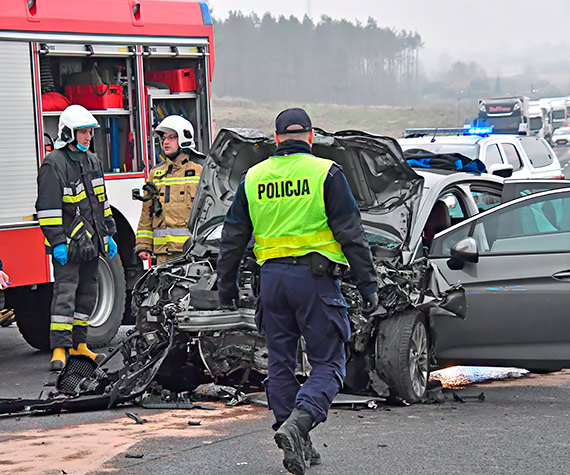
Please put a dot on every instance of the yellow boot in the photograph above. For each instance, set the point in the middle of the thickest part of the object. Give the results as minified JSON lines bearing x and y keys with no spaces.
{"x":57,"y":360}
{"x":83,"y":350}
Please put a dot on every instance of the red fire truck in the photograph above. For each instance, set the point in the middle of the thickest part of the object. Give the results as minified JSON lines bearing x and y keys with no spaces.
{"x":131,"y":62}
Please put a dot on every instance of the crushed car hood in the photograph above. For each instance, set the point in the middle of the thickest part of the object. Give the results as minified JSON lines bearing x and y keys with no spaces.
{"x":386,"y":188}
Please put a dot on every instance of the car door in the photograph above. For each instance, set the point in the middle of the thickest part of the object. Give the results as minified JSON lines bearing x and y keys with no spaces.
{"x":518,"y":293}
{"x":513,"y":156}
{"x":514,"y":188}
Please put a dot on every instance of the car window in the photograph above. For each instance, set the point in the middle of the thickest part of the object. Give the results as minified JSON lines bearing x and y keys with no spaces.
{"x":537,"y":152}
{"x":533,"y":226}
{"x":513,"y":156}
{"x":447,"y":211}
{"x":535,"y":123}
{"x":485,"y":199}
{"x":492,"y":155}
{"x":455,"y":206}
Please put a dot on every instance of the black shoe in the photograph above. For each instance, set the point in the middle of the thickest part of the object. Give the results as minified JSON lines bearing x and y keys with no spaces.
{"x":291,"y":439}
{"x":56,"y":365}
{"x":311,"y":454}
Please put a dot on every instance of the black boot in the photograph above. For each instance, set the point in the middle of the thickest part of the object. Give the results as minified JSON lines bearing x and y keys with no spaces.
{"x":311,"y":455}
{"x":291,"y":439}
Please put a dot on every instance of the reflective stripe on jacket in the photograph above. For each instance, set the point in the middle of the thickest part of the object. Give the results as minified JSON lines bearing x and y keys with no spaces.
{"x":177,"y":182}
{"x":72,"y":183}
{"x":285,"y":195}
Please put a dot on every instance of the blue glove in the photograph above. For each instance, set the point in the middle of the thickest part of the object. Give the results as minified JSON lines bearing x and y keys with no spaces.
{"x":60,"y":253}
{"x":112,"y":248}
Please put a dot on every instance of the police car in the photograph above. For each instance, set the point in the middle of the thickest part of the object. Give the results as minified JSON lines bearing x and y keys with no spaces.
{"x":404,"y":213}
{"x":526,"y":156}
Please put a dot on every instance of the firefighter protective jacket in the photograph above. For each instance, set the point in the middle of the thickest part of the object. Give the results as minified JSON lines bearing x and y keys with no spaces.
{"x":177,"y":183}
{"x":70,"y":184}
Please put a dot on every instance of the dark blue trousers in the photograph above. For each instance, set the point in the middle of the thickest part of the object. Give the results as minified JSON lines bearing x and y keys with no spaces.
{"x":293,"y":303}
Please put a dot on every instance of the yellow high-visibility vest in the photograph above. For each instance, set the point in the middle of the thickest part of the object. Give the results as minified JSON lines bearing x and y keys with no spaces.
{"x":287,"y":208}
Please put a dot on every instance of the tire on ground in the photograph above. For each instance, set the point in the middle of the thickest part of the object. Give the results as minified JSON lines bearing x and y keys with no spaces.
{"x":396,"y":355}
{"x":110,"y":307}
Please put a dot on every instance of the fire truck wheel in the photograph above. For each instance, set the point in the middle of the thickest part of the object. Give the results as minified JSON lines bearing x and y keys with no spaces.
{"x":32,"y":309}
{"x":110,"y":306}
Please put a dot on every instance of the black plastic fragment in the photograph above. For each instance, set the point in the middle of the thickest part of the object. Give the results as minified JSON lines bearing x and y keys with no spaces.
{"x":135,"y":417}
{"x":480,"y":397}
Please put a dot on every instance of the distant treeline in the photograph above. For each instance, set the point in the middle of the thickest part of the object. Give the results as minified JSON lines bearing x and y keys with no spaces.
{"x":333,"y":61}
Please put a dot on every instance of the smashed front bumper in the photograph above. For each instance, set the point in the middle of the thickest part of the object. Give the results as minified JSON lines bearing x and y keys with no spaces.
{"x":213,"y":320}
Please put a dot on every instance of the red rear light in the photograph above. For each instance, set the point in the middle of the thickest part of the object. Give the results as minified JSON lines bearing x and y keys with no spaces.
{"x":559,"y":177}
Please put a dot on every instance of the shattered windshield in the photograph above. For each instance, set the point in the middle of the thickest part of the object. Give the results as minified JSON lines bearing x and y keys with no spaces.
{"x":381,"y":240}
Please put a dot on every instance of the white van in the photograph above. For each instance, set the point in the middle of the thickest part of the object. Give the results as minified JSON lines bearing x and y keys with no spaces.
{"x":530,"y":156}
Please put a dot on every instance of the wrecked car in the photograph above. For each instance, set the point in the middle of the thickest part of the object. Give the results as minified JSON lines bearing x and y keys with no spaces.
{"x":390,"y":352}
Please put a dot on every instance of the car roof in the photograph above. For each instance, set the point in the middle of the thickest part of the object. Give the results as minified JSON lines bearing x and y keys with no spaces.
{"x":436,"y":177}
{"x":456,"y":139}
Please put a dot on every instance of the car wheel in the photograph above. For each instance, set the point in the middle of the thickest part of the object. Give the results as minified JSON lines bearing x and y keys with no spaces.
{"x":402,"y":355}
{"x":110,"y":306}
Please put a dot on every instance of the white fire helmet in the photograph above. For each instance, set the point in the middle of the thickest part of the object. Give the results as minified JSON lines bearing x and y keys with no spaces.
{"x":175,"y":124}
{"x":73,"y":118}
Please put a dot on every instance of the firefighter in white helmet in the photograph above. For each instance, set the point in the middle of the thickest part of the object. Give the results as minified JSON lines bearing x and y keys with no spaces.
{"x":162,"y":229}
{"x":78,"y":225}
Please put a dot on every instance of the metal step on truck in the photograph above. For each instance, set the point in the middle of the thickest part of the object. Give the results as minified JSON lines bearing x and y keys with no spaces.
{"x":131,"y":63}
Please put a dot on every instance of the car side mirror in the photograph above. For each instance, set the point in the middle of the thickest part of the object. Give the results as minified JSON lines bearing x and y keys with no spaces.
{"x":463,"y":251}
{"x":504,"y":170}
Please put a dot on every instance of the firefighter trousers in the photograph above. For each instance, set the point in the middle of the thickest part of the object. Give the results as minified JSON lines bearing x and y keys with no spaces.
{"x":294,"y":303}
{"x":74,"y":297}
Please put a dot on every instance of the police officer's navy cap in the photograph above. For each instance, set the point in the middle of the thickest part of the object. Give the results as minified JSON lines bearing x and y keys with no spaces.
{"x":289,"y":117}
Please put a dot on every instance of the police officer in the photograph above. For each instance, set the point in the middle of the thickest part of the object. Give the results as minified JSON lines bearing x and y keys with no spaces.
{"x":162,"y":229}
{"x":305,"y":220}
{"x":78,"y":225}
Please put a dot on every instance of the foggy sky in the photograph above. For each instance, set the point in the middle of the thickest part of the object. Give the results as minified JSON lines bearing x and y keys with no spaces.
{"x":482,"y":31}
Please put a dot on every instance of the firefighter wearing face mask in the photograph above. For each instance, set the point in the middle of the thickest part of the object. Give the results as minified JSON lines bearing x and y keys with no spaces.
{"x":162,"y":229}
{"x":78,"y":225}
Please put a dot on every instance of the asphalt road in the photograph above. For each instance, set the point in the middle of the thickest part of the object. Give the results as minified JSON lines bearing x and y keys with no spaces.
{"x":522,"y":427}
{"x":563,"y":154}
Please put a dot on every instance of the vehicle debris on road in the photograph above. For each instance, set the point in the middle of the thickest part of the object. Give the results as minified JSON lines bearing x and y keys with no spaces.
{"x":135,"y":417}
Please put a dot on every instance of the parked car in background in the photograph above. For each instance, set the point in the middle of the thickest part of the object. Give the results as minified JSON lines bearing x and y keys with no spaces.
{"x":529,"y":156}
{"x":561,"y":136}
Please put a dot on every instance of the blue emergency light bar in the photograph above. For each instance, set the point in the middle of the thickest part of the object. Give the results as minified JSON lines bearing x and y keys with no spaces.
{"x":467,"y":130}
{"x":480,"y":130}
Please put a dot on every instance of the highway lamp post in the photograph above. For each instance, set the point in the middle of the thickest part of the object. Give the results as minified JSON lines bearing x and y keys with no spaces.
{"x":459,"y":108}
